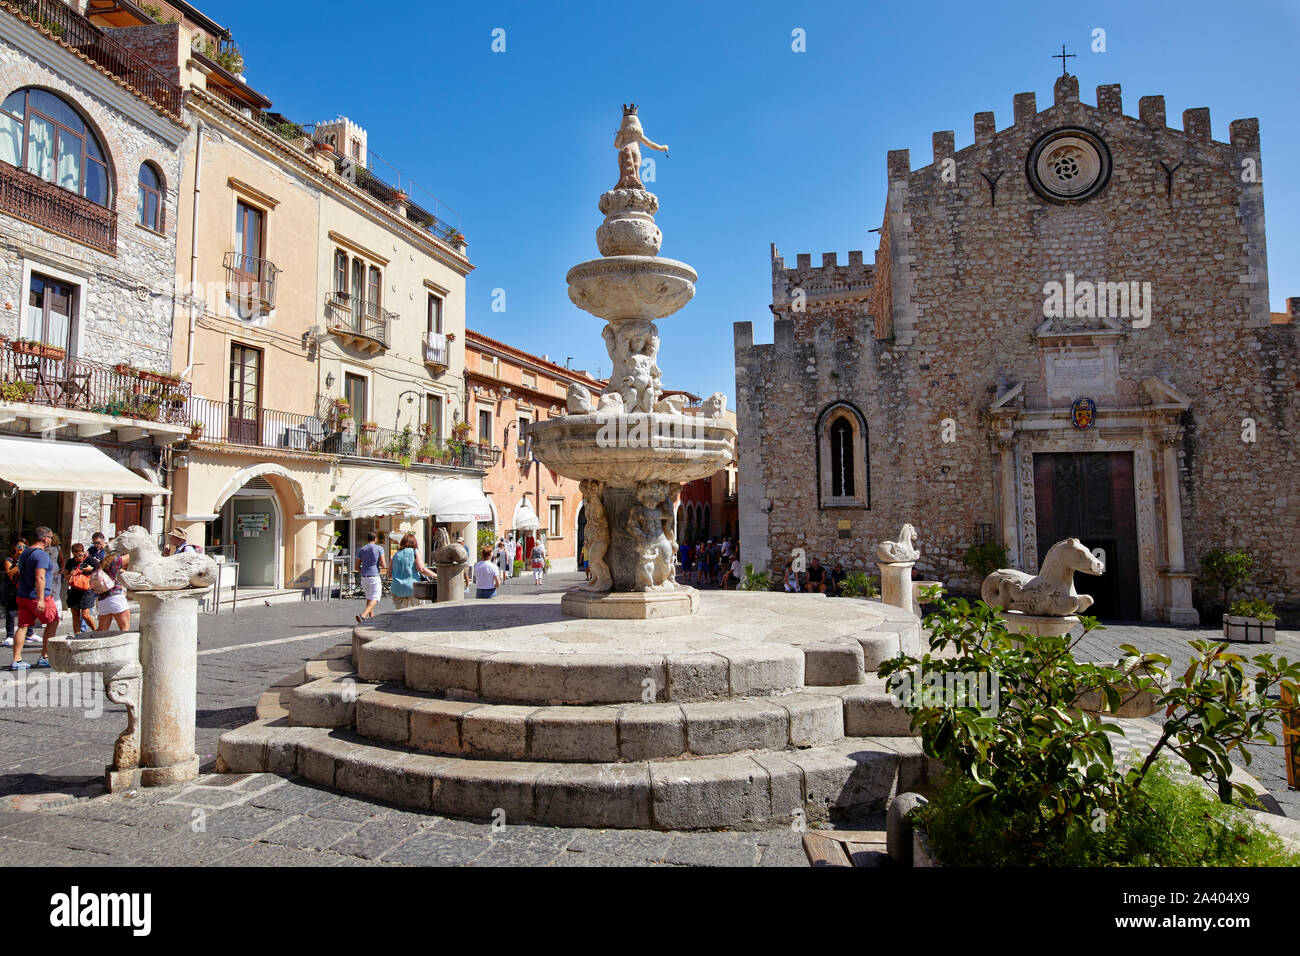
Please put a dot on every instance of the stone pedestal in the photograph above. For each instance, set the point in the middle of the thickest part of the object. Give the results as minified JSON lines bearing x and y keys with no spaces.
{"x":169,"y":626}
{"x":451,"y":582}
{"x":116,"y":658}
{"x":1039,"y":625}
{"x":630,"y":605}
{"x":1180,"y":611}
{"x":896,"y":585}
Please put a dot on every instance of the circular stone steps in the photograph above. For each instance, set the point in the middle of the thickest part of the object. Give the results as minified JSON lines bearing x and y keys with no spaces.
{"x":844,"y":779}
{"x":731,"y":717}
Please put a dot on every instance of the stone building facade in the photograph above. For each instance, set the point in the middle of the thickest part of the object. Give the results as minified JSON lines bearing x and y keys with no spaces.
{"x":85,"y":272}
{"x":1065,"y":331}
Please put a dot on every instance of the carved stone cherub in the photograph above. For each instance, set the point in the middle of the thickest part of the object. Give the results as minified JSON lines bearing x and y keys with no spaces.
{"x":596,"y":537}
{"x":645,"y":523}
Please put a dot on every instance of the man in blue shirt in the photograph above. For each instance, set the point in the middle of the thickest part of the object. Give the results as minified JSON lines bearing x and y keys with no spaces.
{"x":35,"y":597}
{"x":370,"y":562}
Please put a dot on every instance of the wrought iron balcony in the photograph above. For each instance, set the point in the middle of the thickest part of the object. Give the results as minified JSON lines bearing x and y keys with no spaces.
{"x":358,"y":322}
{"x":239,"y":423}
{"x":89,"y":40}
{"x":250,"y":282}
{"x":42,"y":375}
{"x":52,"y":207}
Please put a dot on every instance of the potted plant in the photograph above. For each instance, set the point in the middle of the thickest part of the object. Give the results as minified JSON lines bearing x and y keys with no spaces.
{"x":40,"y":349}
{"x":460,"y":431}
{"x":370,"y":427}
{"x":17,"y":391}
{"x":984,"y":559}
{"x":123,"y":368}
{"x":149,"y":410}
{"x":1250,"y":620}
{"x":196,"y":430}
{"x":405,"y":460}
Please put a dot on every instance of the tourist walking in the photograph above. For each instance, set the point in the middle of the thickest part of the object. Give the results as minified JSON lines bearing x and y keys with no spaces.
{"x":36,"y":604}
{"x":98,"y":549}
{"x":81,"y":598}
{"x":370,"y":562}
{"x":487,"y":576}
{"x":181,"y":543}
{"x":500,"y":558}
{"x":111,"y":606}
{"x":9,"y":589}
{"x":406,"y":565}
{"x":538,"y":559}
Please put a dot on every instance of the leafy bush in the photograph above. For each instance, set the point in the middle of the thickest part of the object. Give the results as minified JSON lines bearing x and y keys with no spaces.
{"x":754,"y":580}
{"x":486,"y":539}
{"x":858,"y":585}
{"x":518,"y":567}
{"x":984,"y":559}
{"x":1253,"y":607}
{"x":1209,"y":833}
{"x":1227,"y":569}
{"x":1034,"y":768}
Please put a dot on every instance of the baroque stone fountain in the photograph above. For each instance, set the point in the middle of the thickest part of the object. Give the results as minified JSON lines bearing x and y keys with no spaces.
{"x":630,"y":447}
{"x":679,"y":710}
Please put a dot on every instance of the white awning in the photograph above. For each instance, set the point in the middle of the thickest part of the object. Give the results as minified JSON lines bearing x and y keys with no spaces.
{"x":525,"y":517}
{"x":378,"y":493}
{"x":458,"y":499}
{"x":36,"y":465}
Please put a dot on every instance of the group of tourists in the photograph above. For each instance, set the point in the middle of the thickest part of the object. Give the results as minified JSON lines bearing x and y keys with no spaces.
{"x":712,"y":563}
{"x":815,"y":580}
{"x":498,"y":563}
{"x":39,"y":582}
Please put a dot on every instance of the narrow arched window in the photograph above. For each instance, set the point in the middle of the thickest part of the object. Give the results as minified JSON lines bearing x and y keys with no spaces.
{"x":45,"y":135}
{"x":841,"y":458}
{"x":151,"y":201}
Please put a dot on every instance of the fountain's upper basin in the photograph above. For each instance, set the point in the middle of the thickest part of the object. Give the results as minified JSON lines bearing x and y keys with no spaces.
{"x":623,"y":449}
{"x":631,"y":287}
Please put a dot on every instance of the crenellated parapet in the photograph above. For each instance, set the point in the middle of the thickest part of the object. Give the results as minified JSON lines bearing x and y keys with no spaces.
{"x":832,"y":292}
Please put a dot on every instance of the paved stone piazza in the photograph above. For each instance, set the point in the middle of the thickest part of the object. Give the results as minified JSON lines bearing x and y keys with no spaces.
{"x":54,"y":812}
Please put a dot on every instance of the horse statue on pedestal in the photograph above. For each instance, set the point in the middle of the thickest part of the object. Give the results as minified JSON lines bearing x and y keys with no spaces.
{"x":1050,"y":593}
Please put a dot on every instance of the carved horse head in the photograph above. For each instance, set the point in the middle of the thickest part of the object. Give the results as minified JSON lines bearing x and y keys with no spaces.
{"x":1068,"y":556}
{"x":135,"y":541}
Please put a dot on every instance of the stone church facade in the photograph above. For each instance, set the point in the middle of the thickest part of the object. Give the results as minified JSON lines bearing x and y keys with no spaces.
{"x":1065,"y":331}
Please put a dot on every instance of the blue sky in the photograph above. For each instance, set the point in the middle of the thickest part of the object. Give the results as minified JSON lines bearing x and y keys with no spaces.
{"x":768,"y":145}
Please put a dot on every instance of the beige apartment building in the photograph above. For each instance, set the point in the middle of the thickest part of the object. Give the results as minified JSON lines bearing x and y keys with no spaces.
{"x":322,"y":328}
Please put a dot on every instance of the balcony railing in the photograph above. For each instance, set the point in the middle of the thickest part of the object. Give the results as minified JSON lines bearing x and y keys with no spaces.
{"x":359,"y":321}
{"x":435,"y":349}
{"x":80,"y":384}
{"x":250,"y":281}
{"x":86,"y":38}
{"x":237,"y":423}
{"x":54,"y":208}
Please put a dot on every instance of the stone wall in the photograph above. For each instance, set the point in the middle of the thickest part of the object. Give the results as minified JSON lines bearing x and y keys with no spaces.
{"x":963,"y":265}
{"x":126,"y":300}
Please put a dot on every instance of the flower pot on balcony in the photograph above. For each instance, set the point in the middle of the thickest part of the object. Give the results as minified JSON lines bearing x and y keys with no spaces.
{"x":40,"y":350}
{"x":369,"y":427}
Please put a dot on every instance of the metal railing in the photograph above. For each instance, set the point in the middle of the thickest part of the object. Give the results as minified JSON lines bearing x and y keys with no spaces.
{"x":54,"y":208}
{"x":86,"y":38}
{"x":251,"y":278}
{"x":435,"y":353}
{"x":238,"y":423}
{"x":40,"y":376}
{"x":356,"y":316}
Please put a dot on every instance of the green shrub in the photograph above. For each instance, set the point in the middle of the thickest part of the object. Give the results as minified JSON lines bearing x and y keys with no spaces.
{"x":519,"y":567}
{"x":858,"y":585}
{"x":984,"y":559}
{"x":1227,"y":569}
{"x":754,"y":580}
{"x":1208,"y":833}
{"x":1035,"y":769}
{"x":1253,"y":607}
{"x":486,"y":539}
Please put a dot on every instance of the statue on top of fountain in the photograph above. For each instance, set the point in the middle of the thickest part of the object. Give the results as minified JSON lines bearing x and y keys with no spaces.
{"x":628,"y":141}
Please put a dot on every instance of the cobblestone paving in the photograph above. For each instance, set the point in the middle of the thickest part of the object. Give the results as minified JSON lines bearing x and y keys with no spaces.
{"x":53,"y":810}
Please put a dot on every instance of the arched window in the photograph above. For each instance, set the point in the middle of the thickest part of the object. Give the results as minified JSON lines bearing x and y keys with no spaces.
{"x":841,"y":458}
{"x":151,"y":201}
{"x":46,"y":136}
{"x":843,"y":479}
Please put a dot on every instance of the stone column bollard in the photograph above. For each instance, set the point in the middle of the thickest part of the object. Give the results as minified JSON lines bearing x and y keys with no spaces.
{"x":896,"y":584}
{"x":451,"y":582}
{"x":169,"y":628}
{"x":116,"y":658}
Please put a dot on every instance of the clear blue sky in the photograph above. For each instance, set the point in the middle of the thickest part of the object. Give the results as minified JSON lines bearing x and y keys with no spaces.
{"x":768,"y":145}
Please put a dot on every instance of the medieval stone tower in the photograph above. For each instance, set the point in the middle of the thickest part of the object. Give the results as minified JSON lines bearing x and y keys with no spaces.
{"x":1065,"y":331}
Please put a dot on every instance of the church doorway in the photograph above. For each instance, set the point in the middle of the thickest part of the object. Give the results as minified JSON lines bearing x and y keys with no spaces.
{"x":1089,"y":496}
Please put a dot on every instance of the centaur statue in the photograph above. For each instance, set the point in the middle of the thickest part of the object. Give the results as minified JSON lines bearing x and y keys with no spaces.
{"x":1051,"y":592}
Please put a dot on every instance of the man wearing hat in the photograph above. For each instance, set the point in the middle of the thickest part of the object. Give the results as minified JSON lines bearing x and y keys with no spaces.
{"x":181,"y":543}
